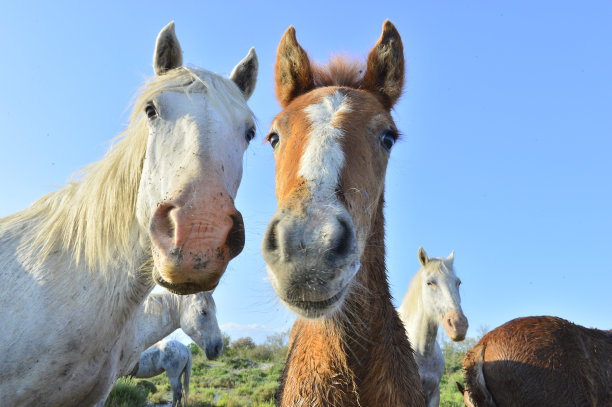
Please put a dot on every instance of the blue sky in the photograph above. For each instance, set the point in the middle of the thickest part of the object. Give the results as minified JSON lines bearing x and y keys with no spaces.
{"x":506,"y":117}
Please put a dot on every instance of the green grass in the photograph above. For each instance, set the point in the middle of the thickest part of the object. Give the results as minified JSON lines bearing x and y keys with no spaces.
{"x":129,"y":393}
{"x":247,"y":375}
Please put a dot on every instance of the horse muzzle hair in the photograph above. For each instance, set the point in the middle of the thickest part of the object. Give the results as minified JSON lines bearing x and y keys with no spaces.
{"x":192,"y":245}
{"x":456,"y":324}
{"x":312,"y":258}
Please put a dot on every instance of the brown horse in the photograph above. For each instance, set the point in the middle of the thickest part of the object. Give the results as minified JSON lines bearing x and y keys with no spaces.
{"x":540,"y":361}
{"x":324,"y":247}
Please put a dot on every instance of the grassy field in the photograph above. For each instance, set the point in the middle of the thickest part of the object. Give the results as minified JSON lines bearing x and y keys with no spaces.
{"x":247,"y":375}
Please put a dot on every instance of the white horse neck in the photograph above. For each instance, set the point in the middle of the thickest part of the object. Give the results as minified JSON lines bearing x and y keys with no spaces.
{"x":421,"y":327}
{"x":158,"y":317}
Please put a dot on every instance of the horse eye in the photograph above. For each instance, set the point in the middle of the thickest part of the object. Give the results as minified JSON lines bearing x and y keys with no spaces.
{"x":431,"y":284}
{"x":458,"y":283}
{"x":203,"y":312}
{"x":273,"y":139}
{"x":250,"y":134}
{"x":388,"y":139}
{"x":150,"y":110}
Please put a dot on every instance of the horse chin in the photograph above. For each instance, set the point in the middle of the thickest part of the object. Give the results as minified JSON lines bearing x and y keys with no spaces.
{"x":316,"y":309}
{"x":182,"y":288}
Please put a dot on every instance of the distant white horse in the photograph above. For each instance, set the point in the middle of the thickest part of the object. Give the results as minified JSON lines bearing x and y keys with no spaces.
{"x":163,"y":313}
{"x":172,"y":357}
{"x":432,"y":298}
{"x":76,"y":265}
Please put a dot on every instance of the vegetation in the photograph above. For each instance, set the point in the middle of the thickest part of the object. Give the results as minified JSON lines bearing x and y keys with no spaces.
{"x":130,"y":393}
{"x":247,"y":375}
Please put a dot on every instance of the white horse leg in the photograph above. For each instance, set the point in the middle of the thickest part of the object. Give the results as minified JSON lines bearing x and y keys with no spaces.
{"x":177,"y":389}
{"x":187,"y":377}
{"x":435,"y":398}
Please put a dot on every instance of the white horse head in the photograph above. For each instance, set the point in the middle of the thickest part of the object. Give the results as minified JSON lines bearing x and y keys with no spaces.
{"x":440,"y":293}
{"x":199,"y":128}
{"x":199,"y":321}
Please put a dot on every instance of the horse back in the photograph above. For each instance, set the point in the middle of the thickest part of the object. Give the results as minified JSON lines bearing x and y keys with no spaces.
{"x":536,"y":361}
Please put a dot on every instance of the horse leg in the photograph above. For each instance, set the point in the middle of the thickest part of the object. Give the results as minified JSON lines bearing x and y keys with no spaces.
{"x":177,"y":389}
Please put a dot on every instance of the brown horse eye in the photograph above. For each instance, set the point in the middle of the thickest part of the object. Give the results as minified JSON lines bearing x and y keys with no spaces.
{"x":150,"y":110}
{"x":250,"y":134}
{"x":273,"y":139}
{"x":388,"y":139}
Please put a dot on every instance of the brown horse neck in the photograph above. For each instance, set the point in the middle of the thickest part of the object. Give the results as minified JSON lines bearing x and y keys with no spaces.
{"x":360,"y":357}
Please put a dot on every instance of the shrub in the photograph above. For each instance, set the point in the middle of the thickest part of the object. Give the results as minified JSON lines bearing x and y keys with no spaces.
{"x":195,"y":349}
{"x":127,"y":393}
{"x":243,"y":343}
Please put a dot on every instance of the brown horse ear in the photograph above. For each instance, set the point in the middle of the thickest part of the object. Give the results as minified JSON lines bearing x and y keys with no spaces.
{"x":423,"y":257}
{"x":385,"y":71}
{"x":293,"y":72}
{"x":460,"y":387}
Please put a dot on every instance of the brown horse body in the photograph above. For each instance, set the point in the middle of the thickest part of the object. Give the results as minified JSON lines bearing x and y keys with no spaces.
{"x":540,"y":361}
{"x":324,"y":247}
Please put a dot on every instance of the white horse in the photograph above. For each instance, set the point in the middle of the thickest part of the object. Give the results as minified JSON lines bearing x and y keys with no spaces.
{"x":76,"y":265}
{"x":172,"y":357}
{"x":163,"y":313}
{"x":432,"y":298}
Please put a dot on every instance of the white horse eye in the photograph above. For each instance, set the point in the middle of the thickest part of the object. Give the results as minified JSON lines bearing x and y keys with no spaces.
{"x":273,"y":139}
{"x":150,"y":110}
{"x":250,"y":134}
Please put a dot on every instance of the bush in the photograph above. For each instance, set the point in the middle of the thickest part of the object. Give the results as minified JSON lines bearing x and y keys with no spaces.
{"x":147,"y":386}
{"x":243,"y":343}
{"x":195,"y":349}
{"x":127,"y":393}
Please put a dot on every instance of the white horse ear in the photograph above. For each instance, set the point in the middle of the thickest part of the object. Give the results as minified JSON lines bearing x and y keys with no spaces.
{"x":168,"y":54}
{"x":245,"y":74}
{"x":451,"y":258}
{"x":423,"y":257}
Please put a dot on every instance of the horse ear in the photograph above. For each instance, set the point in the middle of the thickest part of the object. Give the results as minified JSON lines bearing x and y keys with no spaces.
{"x":293,"y":73}
{"x":385,"y":71}
{"x":245,"y":74}
{"x":460,"y":387}
{"x":451,"y":258}
{"x":423,"y":257}
{"x":168,"y":54}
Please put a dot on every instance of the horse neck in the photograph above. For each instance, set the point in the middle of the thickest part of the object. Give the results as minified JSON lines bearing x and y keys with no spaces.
{"x":158,"y":317}
{"x":361,"y":356}
{"x":421,"y":326}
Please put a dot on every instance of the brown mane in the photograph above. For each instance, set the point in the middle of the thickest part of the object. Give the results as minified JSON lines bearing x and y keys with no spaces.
{"x":341,"y":70}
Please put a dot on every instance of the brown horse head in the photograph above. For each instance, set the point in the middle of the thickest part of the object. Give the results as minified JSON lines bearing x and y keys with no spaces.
{"x":331,"y":144}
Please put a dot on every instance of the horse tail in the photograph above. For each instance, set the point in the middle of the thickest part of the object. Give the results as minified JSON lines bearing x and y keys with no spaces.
{"x":476,"y":391}
{"x":186,"y":378}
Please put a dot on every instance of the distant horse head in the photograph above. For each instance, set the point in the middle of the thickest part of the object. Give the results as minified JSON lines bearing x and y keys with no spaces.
{"x":198,"y":129}
{"x":331,"y":143}
{"x":439,"y":287}
{"x":199,"y":321}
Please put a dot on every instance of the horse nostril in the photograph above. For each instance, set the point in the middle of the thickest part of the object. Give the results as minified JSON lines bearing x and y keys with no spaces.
{"x":343,"y":242}
{"x":271,"y":241}
{"x":235,"y":237}
{"x":161,"y":222}
{"x":341,"y":245}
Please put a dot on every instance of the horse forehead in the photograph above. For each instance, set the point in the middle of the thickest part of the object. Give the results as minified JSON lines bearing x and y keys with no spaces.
{"x":438,"y":268}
